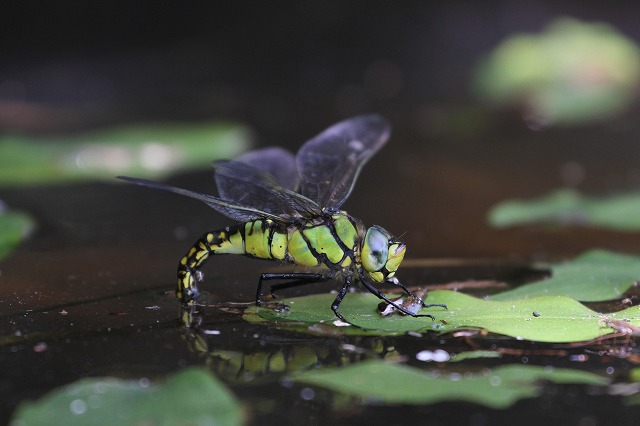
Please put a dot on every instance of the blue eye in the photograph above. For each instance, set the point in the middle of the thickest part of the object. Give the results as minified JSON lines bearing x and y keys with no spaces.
{"x":375,"y":249}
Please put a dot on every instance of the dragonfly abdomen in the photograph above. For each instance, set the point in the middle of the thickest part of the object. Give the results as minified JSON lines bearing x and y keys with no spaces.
{"x":262,"y":238}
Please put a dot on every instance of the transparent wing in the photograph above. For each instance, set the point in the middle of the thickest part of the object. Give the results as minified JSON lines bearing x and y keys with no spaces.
{"x":329,"y":163}
{"x":235,"y":211}
{"x":246,"y":185}
{"x":278,"y":162}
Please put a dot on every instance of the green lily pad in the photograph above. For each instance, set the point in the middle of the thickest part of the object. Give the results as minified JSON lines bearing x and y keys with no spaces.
{"x":190,"y":397}
{"x":567,"y":207}
{"x":14,"y":227}
{"x":595,"y":276}
{"x":572,"y":72}
{"x":140,"y":150}
{"x":543,"y":319}
{"x":389,"y":383}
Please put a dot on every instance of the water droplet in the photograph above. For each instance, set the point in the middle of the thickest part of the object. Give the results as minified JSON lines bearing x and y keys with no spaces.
{"x":78,"y":406}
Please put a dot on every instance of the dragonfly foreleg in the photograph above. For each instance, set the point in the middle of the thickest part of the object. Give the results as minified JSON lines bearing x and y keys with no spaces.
{"x":401,"y":308}
{"x":397,"y":282}
{"x":298,"y":280}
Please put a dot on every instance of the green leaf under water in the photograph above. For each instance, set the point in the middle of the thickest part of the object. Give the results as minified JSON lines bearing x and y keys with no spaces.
{"x":544,"y":319}
{"x":595,"y":276}
{"x":190,"y":397}
{"x":567,"y":207}
{"x":14,"y":227}
{"x":389,"y":383}
{"x":140,"y":150}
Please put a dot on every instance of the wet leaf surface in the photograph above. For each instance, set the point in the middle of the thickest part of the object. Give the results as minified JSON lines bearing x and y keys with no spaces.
{"x":499,"y":388}
{"x":595,"y":276}
{"x":542,"y":319}
{"x":546,"y":311}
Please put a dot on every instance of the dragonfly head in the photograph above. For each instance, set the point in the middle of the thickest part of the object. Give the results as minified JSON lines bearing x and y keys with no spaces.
{"x":381,"y":254}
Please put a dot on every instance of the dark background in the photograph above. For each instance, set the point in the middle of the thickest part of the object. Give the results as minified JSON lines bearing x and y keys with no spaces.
{"x":288,"y":70}
{"x":278,"y":65}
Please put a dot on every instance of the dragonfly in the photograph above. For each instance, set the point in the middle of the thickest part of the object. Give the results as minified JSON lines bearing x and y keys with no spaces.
{"x":287,"y":208}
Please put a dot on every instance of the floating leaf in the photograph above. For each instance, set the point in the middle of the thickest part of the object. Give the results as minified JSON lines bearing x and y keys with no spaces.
{"x":390,"y":383}
{"x":190,"y":397}
{"x":569,"y":207}
{"x":594,"y":276}
{"x":573,"y":72}
{"x":14,"y":227}
{"x":142,"y":150}
{"x":543,"y":319}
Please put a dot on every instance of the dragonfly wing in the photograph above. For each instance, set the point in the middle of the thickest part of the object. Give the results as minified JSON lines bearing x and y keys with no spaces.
{"x":241,"y":183}
{"x":329,"y":163}
{"x":235,"y":211}
{"x":278,"y":162}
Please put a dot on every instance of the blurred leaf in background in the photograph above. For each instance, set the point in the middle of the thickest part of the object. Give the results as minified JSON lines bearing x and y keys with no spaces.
{"x":140,"y":150}
{"x":567,"y":207}
{"x":14,"y":227}
{"x":569,"y":74}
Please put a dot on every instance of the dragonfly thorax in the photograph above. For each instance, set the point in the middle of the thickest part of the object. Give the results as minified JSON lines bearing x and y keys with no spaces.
{"x":381,"y":254}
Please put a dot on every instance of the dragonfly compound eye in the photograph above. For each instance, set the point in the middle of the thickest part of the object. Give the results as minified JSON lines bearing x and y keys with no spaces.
{"x":375,"y":249}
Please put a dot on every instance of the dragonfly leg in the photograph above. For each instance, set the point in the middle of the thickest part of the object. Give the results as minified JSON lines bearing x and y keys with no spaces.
{"x":401,"y":308}
{"x":397,"y":282}
{"x":338,"y":300}
{"x":298,"y":280}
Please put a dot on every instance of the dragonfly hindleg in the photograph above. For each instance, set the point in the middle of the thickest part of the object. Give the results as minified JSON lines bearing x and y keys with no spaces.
{"x":338,"y":300}
{"x":299,"y":279}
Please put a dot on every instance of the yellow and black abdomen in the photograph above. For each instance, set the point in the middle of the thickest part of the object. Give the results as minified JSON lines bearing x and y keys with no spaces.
{"x":262,"y":238}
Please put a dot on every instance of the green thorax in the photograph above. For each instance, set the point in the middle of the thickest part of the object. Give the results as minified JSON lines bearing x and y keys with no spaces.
{"x":330,"y":241}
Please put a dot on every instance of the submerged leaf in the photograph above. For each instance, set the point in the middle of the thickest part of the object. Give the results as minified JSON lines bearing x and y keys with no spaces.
{"x":569,"y":207}
{"x":595,"y":276}
{"x":543,"y":319}
{"x":190,"y":397}
{"x":389,"y":383}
